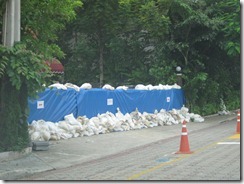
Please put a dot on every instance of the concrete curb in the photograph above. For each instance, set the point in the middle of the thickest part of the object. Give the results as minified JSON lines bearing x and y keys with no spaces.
{"x":213,"y":115}
{"x":12,"y":155}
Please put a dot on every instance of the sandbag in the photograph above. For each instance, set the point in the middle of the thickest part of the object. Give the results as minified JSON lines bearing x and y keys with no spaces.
{"x":71,"y":119}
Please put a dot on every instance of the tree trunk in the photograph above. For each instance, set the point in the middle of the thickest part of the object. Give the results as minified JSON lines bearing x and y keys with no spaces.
{"x":13,"y":118}
{"x":101,"y":65}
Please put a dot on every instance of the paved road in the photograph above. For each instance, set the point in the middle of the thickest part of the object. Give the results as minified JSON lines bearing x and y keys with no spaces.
{"x":216,"y":156}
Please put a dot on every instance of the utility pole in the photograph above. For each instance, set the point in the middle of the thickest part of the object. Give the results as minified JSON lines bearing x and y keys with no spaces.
{"x":11,"y":23}
{"x":17,"y":21}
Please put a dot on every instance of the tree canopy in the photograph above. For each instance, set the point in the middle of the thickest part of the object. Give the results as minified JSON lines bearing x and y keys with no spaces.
{"x":131,"y":41}
{"x":134,"y":41}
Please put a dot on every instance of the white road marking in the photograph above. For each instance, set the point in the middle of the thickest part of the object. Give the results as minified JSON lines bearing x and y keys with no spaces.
{"x":228,"y":143}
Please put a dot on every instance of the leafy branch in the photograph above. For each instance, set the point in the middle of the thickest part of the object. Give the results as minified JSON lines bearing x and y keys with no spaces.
{"x":23,"y":66}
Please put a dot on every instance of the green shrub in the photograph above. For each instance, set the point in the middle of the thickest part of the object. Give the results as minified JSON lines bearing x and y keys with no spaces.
{"x":22,"y":74}
{"x":233,"y":101}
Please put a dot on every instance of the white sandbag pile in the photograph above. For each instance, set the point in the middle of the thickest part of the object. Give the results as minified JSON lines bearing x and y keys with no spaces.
{"x":109,"y":87}
{"x":157,"y":87}
{"x":45,"y":130}
{"x":107,"y":122}
{"x":73,"y":86}
{"x":86,"y":86}
{"x":122,"y":87}
{"x":70,"y":85}
{"x":58,"y":86}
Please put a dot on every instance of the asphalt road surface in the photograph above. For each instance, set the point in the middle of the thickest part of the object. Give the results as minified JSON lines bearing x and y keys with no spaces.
{"x":216,"y":156}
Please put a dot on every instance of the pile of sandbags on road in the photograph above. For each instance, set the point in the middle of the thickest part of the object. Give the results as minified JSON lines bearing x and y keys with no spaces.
{"x":45,"y":130}
{"x":107,"y":122}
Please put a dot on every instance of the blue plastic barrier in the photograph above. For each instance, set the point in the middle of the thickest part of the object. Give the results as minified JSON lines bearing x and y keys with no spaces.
{"x":53,"y":105}
{"x":94,"y":101}
{"x":89,"y":103}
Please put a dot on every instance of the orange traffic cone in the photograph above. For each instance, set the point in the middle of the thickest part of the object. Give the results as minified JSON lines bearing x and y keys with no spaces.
{"x":238,"y":123}
{"x":184,"y":144}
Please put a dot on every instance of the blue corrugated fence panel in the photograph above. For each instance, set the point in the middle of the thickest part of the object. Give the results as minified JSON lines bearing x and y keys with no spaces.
{"x":53,"y":104}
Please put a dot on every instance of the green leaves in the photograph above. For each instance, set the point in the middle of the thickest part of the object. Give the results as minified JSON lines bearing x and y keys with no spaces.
{"x":24,"y":67}
{"x":41,"y":21}
{"x":3,"y":60}
{"x":153,"y":18}
{"x":2,"y":67}
{"x":22,"y":73}
{"x":233,"y":48}
{"x":144,"y":40}
{"x":229,"y":12}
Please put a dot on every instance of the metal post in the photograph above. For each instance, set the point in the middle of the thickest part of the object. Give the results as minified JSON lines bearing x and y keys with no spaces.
{"x":11,"y":23}
{"x":8,"y":39}
{"x":17,"y":21}
{"x":179,"y":79}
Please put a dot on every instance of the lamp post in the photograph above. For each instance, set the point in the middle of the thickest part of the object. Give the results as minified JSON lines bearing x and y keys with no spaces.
{"x":179,"y":75}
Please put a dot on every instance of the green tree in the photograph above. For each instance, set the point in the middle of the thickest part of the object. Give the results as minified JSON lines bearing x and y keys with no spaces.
{"x":41,"y":21}
{"x":229,"y":13}
{"x":119,"y":33}
{"x":134,"y":41}
{"x":22,"y":68}
{"x":225,"y":52}
{"x":97,"y":20}
{"x":192,"y":32}
{"x":23,"y":74}
{"x":196,"y":43}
